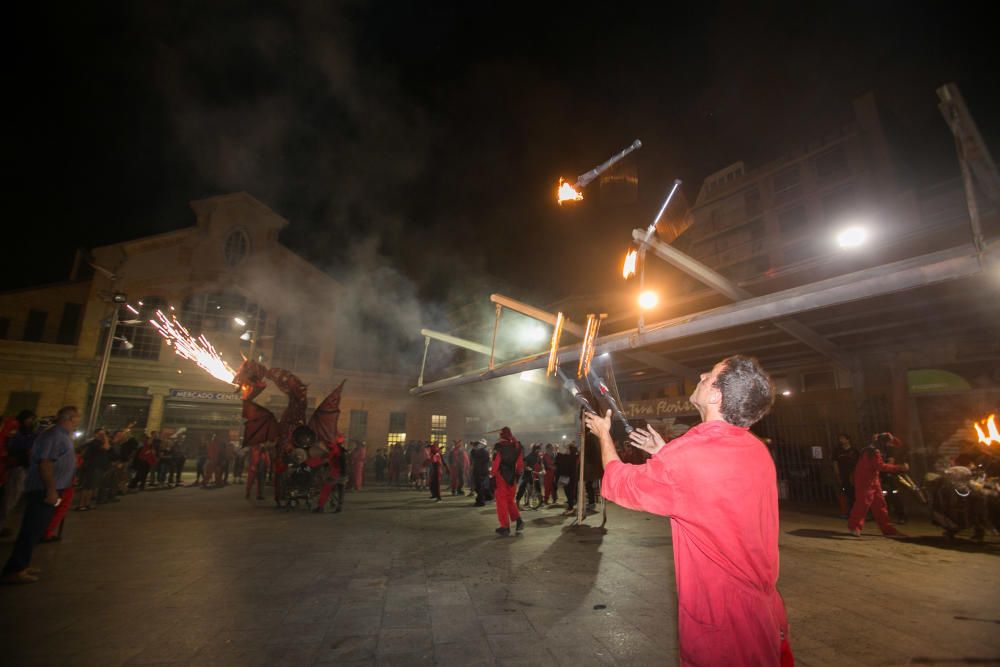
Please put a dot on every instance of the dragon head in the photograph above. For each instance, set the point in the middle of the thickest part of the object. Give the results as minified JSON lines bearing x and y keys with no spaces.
{"x":250,"y":379}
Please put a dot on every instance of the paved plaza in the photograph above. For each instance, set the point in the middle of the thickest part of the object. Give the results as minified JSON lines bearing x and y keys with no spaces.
{"x":191,"y":576}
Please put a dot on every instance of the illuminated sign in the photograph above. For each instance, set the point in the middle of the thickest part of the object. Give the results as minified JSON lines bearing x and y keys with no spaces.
{"x":196,"y":395}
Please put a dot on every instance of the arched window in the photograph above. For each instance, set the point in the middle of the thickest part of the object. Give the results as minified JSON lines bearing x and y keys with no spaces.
{"x":237,"y":247}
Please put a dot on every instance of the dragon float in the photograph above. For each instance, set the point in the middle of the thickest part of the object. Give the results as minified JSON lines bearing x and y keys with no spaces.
{"x":273,"y":443}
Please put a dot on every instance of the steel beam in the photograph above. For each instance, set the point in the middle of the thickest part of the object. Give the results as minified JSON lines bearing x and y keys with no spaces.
{"x":649,"y":358}
{"x":728,"y":288}
{"x":907,"y":274}
{"x":455,"y":340}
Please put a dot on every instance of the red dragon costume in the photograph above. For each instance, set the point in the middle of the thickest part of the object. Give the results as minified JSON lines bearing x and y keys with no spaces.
{"x":263,"y":430}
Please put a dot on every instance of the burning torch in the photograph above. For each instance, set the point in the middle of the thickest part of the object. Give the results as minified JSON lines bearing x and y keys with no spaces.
{"x":572,"y":191}
{"x":598,"y":383}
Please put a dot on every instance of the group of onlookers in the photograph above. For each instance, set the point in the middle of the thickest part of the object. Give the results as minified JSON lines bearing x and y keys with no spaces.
{"x":465,"y":468}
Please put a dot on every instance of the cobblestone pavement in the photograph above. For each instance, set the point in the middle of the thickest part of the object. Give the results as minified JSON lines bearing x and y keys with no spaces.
{"x":191,"y":576}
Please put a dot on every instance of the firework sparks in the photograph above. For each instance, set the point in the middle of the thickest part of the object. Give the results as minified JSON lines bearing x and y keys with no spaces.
{"x":199,"y":350}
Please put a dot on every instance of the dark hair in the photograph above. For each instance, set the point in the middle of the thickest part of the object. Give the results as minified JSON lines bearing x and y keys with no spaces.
{"x":66,"y":412}
{"x":747,"y":390}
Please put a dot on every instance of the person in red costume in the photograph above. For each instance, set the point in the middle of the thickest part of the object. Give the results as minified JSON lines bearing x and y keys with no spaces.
{"x":336,"y":456}
{"x":358,"y":456}
{"x":717,"y":484}
{"x":215,"y":458}
{"x":508,"y":466}
{"x":435,"y":466}
{"x":457,"y":463}
{"x":260,"y":461}
{"x":868,"y":488}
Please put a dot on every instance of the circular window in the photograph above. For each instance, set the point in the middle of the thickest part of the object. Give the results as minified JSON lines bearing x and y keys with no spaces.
{"x":236,"y":248}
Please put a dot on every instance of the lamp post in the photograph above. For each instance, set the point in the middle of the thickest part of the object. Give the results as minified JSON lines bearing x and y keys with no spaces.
{"x":117,"y":299}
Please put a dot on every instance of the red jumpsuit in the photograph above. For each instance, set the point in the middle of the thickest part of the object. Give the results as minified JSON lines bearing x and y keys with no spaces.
{"x":507,"y":491}
{"x":456,"y":469}
{"x":549,"y":465}
{"x":718,"y":486}
{"x":334,"y":457}
{"x":868,"y":491}
{"x":358,"y":466}
{"x":259,"y":463}
{"x":214,"y":464}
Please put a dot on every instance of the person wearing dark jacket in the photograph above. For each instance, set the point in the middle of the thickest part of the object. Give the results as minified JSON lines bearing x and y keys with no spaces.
{"x":480,"y":459}
{"x":18,"y":460}
{"x":508,"y":465}
{"x":567,"y":471}
{"x":96,"y":462}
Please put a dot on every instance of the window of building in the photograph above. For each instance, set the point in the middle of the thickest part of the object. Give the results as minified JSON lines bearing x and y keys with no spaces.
{"x":22,"y":400}
{"x":69,"y":325}
{"x":4,"y":327}
{"x":135,"y":337}
{"x":473,"y":428}
{"x":787,"y":184}
{"x":397,"y":428}
{"x":799,"y":252}
{"x":237,"y":247}
{"x":292,"y":349}
{"x":747,"y":269}
{"x":439,"y":429}
{"x":751,"y":200}
{"x":831,"y":164}
{"x":34,"y":328}
{"x":839,"y":206}
{"x":214,"y":311}
{"x":818,"y":380}
{"x":397,"y":421}
{"x":793,"y":220}
{"x":358,"y":429}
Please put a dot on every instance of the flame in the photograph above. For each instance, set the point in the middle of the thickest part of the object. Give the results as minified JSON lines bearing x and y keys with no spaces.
{"x":198,"y":350}
{"x":991,"y":435}
{"x":567,"y":192}
{"x":628,"y":269}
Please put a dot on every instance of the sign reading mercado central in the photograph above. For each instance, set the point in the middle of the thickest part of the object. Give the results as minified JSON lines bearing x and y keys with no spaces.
{"x":194,"y":394}
{"x":658,"y":408}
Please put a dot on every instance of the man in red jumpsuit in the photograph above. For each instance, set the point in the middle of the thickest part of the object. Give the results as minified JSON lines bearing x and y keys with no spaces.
{"x":717,"y":484}
{"x":336,"y":456}
{"x":358,"y":465}
{"x":508,"y":466}
{"x":456,"y":467}
{"x":868,"y":491}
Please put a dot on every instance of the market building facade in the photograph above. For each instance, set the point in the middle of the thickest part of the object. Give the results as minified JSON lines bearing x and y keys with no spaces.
{"x":227,"y":277}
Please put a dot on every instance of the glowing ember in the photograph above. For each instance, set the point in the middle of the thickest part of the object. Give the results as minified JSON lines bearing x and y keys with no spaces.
{"x":628,"y":269}
{"x":991,"y":434}
{"x":198,"y":350}
{"x":567,"y":192}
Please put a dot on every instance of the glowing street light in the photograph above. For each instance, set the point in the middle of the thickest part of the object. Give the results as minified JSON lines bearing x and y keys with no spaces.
{"x":648,"y":299}
{"x":787,"y":392}
{"x":852,"y":237}
{"x":240,"y":321}
{"x":533,"y":334}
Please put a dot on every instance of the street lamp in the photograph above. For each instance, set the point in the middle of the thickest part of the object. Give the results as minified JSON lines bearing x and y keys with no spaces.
{"x":117,"y":298}
{"x":648,"y":299}
{"x":852,"y":237}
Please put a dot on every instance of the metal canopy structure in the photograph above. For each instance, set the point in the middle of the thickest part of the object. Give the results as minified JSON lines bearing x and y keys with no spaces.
{"x":949,"y":294}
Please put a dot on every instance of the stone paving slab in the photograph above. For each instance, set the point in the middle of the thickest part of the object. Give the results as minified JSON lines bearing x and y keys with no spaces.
{"x":194,"y":577}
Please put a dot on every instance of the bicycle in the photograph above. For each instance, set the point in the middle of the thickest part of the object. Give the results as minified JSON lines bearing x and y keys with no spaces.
{"x":532,"y":498}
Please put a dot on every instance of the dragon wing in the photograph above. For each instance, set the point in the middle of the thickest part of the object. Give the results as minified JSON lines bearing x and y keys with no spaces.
{"x":261,"y":426}
{"x":324,"y":419}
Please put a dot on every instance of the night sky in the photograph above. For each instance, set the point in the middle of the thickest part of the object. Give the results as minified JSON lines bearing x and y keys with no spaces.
{"x":431,"y":135}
